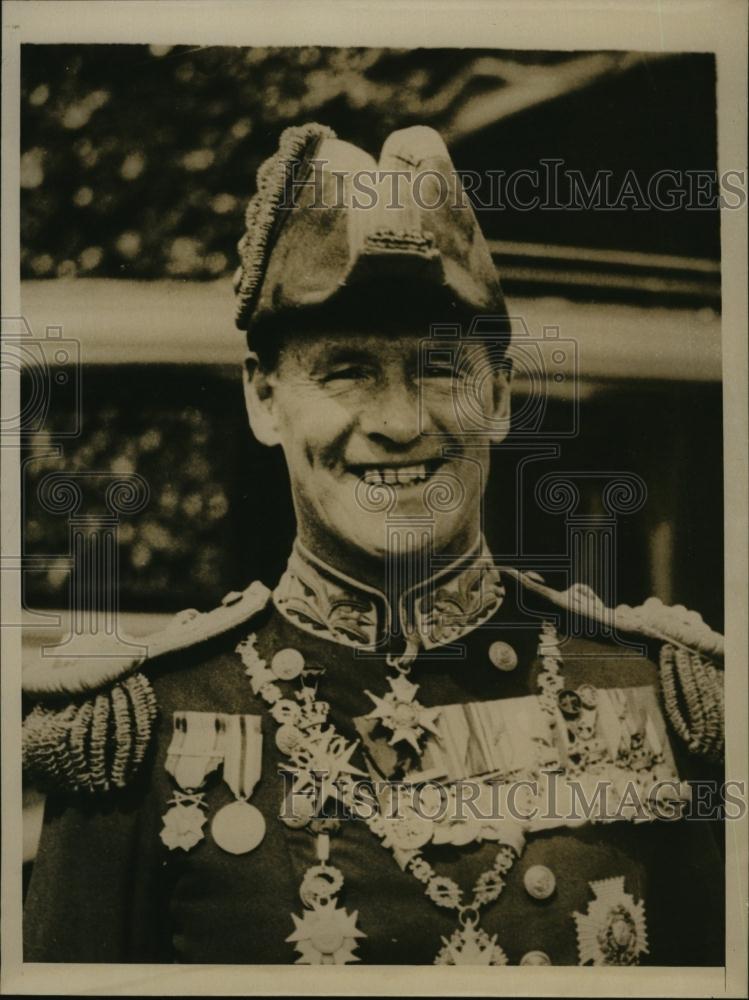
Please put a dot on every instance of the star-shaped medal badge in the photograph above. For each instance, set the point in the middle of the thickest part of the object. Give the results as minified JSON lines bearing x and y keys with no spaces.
{"x":326,"y":935}
{"x":399,"y":711}
{"x":320,"y":761}
{"x":183,"y":823}
{"x":612,"y":931}
{"x":471,"y":946}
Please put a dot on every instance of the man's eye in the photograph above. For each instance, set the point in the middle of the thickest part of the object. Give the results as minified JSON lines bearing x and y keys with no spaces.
{"x":437,"y":371}
{"x":348,"y":374}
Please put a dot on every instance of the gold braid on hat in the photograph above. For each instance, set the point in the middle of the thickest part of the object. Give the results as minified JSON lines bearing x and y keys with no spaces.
{"x":264,"y":211}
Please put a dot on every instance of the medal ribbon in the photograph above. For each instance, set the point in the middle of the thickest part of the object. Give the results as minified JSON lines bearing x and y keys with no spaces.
{"x":243,"y":747}
{"x":196,"y":748}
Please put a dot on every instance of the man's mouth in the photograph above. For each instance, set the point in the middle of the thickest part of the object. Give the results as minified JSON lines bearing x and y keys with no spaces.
{"x":397,"y":475}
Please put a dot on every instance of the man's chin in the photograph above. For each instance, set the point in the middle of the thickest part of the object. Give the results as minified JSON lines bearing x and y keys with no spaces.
{"x":394,"y":539}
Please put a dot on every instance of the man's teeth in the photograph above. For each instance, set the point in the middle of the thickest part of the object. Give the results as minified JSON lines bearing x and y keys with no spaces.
{"x":403,"y":475}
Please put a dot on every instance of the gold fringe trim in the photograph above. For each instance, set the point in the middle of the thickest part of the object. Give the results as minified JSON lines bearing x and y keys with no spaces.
{"x":694,"y":699}
{"x":91,"y":746}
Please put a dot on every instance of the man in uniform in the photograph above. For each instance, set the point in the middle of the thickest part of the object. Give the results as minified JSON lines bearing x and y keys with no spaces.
{"x":404,"y":753}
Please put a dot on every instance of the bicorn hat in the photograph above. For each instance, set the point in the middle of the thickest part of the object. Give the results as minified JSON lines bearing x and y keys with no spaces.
{"x":331,"y":231}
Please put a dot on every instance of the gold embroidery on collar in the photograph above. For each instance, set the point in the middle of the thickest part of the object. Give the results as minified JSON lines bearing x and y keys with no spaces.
{"x":442,"y":609}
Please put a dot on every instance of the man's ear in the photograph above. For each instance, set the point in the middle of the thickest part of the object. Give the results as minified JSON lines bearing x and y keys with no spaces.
{"x":500,"y":418}
{"x":259,"y":400}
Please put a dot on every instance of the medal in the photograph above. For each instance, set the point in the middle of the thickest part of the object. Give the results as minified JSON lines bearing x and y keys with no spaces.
{"x":405,"y":830}
{"x":320,"y":761}
{"x":470,"y":945}
{"x":612,"y":931}
{"x":194,"y":752}
{"x":239,"y":827}
{"x":399,"y":711}
{"x":196,"y":748}
{"x":325,"y":935}
{"x":183,"y":823}
{"x":289,"y":738}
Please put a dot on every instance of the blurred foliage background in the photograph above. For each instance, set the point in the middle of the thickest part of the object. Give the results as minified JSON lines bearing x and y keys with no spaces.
{"x":137,"y":161}
{"x":144,"y":156}
{"x":178,"y":545}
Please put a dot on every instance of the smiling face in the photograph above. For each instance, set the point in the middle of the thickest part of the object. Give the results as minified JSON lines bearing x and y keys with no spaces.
{"x":376,"y":441}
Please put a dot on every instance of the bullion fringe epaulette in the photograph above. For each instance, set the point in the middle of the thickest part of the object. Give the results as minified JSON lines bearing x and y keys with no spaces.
{"x":691,"y":682}
{"x":93,"y":744}
{"x":690,"y":657}
{"x":93,"y":716}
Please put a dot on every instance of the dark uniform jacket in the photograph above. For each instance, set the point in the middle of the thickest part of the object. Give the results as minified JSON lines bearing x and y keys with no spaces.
{"x":106,"y":888}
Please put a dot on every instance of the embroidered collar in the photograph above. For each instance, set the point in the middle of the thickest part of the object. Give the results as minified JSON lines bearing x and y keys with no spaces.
{"x":441,"y":609}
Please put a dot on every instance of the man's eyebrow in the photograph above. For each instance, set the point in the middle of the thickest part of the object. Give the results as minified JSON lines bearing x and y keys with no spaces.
{"x":344,"y":352}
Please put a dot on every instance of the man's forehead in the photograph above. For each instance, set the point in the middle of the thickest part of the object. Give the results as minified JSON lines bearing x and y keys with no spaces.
{"x":381,"y":343}
{"x":389,"y":343}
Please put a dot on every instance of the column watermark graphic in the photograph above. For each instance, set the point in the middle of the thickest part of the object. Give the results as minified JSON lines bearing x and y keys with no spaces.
{"x":50,"y":417}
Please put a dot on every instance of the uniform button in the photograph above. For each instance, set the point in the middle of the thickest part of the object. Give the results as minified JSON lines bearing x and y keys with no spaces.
{"x":503,"y":656}
{"x":535,"y":958}
{"x":539,"y":881}
{"x":287,"y":664}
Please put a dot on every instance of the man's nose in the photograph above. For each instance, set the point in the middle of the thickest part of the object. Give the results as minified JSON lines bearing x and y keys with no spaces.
{"x":393,"y":416}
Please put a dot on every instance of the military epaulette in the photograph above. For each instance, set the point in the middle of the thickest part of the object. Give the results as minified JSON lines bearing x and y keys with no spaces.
{"x":93,"y":714}
{"x":690,"y":656}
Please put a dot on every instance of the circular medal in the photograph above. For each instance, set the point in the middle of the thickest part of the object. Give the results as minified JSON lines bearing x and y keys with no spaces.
{"x":238,"y":828}
{"x":289,"y":738}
